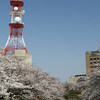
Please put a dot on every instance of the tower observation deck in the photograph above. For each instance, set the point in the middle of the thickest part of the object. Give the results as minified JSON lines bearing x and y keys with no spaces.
{"x":15,"y":40}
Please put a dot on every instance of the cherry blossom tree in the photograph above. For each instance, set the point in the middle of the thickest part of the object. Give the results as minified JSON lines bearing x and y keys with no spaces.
{"x":92,"y":86}
{"x":18,"y":78}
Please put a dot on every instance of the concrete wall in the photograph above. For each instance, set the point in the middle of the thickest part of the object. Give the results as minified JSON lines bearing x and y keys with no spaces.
{"x":22,"y":54}
{"x":87,"y":57}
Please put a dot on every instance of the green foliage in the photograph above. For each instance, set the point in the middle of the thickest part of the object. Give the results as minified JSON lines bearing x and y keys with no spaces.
{"x":40,"y":99}
{"x":72,"y":94}
{"x":19,"y":97}
{"x":57,"y":99}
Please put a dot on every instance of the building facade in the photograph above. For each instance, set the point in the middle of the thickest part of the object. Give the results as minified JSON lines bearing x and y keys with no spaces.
{"x":75,"y":79}
{"x":92,"y":59}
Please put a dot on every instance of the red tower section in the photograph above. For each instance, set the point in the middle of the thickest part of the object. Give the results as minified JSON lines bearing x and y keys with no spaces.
{"x":15,"y":40}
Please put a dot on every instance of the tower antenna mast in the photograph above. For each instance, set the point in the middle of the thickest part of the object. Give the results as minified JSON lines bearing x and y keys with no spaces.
{"x":15,"y":40}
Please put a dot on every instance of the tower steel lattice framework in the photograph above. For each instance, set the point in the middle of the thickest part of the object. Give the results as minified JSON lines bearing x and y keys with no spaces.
{"x":15,"y":40}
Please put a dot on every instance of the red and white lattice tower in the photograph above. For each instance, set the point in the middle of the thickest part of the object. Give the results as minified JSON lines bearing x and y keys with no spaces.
{"x":15,"y":40}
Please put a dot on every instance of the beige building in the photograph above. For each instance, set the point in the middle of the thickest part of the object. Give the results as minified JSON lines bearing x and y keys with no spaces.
{"x":74,"y":79}
{"x":92,"y":59}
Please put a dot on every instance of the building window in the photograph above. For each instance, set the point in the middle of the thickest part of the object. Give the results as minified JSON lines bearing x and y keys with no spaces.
{"x":98,"y":58}
{"x":91,"y":62}
{"x":95,"y":66}
{"x":91,"y":70}
{"x":91,"y":59}
{"x":94,"y":58}
{"x":98,"y":62}
{"x":91,"y":66}
{"x":94,"y":62}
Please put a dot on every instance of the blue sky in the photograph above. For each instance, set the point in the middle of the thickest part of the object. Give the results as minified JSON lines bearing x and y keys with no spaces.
{"x":57,"y":33}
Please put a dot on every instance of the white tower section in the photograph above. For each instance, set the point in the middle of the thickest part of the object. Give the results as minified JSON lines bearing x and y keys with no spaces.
{"x":16,"y":15}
